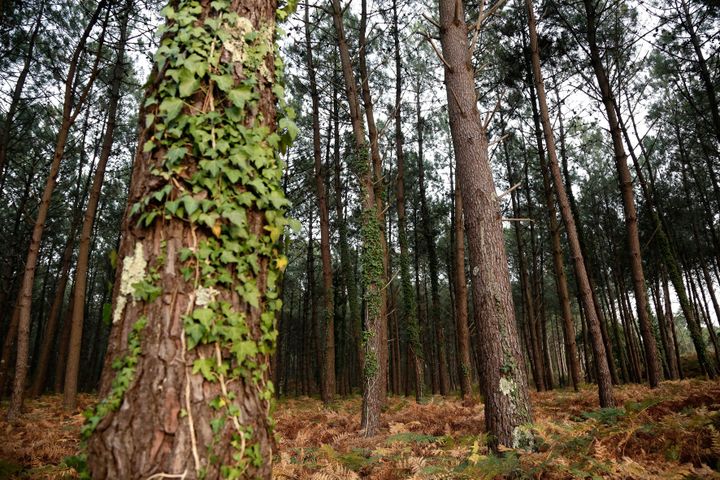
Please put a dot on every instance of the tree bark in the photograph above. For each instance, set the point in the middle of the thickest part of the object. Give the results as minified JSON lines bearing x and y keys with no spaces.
{"x":195,"y":298}
{"x":507,"y":406}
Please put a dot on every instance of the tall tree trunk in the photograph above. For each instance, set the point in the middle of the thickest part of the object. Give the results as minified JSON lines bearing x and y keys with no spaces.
{"x":461,"y":314}
{"x":408,"y":306}
{"x":626,"y":189}
{"x":507,"y":406}
{"x":81,"y":272}
{"x":434,"y":317}
{"x":376,"y":163}
{"x":373,"y":255}
{"x":196,"y":292}
{"x":602,"y":369}
{"x":328,"y":370}
{"x":71,"y":109}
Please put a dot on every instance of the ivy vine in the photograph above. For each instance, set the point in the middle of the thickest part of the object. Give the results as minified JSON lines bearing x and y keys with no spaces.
{"x":219,"y":161}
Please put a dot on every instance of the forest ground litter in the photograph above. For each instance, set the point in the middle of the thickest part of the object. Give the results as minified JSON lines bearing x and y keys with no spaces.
{"x":671,"y":432}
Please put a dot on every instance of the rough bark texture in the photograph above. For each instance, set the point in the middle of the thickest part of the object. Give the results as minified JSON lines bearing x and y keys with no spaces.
{"x":175,"y":419}
{"x":603,"y":371}
{"x":507,"y":407}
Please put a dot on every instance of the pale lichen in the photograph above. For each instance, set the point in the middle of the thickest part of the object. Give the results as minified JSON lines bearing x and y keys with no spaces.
{"x":205,"y":295}
{"x":133,"y":272}
{"x":523,"y":437}
{"x":507,"y":386}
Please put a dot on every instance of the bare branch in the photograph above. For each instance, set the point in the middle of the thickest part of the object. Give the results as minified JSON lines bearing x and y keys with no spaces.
{"x":509,"y":190}
{"x":437,"y":52}
{"x":506,"y":219}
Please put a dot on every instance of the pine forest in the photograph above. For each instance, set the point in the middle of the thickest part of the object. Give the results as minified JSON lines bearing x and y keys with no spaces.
{"x":344,"y":239}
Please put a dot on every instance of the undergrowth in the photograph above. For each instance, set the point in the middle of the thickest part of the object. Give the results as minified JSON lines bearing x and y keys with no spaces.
{"x":671,"y":432}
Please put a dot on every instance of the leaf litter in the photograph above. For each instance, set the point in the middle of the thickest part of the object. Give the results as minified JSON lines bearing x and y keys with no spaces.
{"x":672,"y":432}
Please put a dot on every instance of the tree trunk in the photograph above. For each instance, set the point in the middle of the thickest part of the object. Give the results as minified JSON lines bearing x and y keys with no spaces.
{"x":602,"y":369}
{"x":626,"y":189}
{"x":328,"y":370}
{"x":376,"y":163}
{"x":186,"y":382}
{"x":507,"y":406}
{"x":463,"y":333}
{"x":408,"y":306}
{"x":71,"y":109}
{"x":373,"y":255}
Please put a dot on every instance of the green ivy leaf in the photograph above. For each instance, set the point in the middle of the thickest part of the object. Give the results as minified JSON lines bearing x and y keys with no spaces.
{"x":239,"y":96}
{"x":196,"y":64}
{"x":191,"y":204}
{"x":244,"y":349}
{"x":224,"y":82}
{"x":171,"y":107}
{"x":278,"y":200}
{"x":236,"y":217}
{"x":189,"y":83}
{"x":205,"y":367}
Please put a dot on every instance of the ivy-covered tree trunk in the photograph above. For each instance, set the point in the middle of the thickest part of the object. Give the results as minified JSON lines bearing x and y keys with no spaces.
{"x":372,"y":257}
{"x":378,"y":185}
{"x":507,"y":406}
{"x":186,"y":389}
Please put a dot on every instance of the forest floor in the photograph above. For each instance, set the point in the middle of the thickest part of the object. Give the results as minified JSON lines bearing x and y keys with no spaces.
{"x":671,"y":432}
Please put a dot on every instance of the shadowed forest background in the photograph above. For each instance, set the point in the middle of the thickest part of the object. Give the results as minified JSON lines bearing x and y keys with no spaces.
{"x":329,"y":255}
